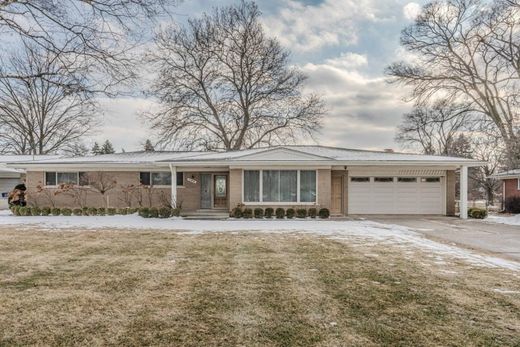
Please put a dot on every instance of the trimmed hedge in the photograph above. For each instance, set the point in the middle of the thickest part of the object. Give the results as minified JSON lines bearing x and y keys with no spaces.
{"x":77,"y":212}
{"x":111,"y":211}
{"x":477,"y":213}
{"x":324,"y":213}
{"x":313,"y":212}
{"x":66,"y":211}
{"x":280,"y":213}
{"x":290,"y":213}
{"x":101,"y":211}
{"x":301,"y":213}
{"x":512,"y":204}
{"x":144,"y":212}
{"x":36,"y":211}
{"x":248,"y":213}
{"x":46,"y":211}
{"x":92,"y":211}
{"x":269,"y":212}
{"x":55,"y":211}
{"x":259,"y":212}
{"x":165,"y":212}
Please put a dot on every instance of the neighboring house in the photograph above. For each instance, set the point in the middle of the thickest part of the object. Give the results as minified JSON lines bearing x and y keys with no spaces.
{"x":510,"y":184}
{"x":10,"y":177}
{"x":346,"y":181}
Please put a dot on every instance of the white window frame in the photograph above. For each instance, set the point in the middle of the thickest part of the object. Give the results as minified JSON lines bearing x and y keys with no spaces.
{"x":162,"y":185}
{"x":517,"y":184}
{"x":56,"y":178}
{"x":279,"y":203}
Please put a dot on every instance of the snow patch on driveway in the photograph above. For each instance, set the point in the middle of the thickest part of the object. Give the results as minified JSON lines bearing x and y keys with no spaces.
{"x":348,"y":231}
{"x":510,"y":220}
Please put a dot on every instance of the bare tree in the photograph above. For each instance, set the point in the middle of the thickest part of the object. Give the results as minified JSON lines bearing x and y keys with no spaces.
{"x":467,"y":50}
{"x":435,"y":129}
{"x":95,"y":35}
{"x":102,"y":183}
{"x":223,"y":84}
{"x":40,"y":115}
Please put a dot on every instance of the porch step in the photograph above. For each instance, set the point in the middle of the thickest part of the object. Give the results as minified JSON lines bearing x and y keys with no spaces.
{"x":207,"y":215}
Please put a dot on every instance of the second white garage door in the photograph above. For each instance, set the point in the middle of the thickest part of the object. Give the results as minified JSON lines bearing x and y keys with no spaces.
{"x":395,"y":195}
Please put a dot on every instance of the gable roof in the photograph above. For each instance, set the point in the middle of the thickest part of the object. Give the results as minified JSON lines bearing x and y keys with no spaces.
{"x":297,"y":154}
{"x":507,"y":174}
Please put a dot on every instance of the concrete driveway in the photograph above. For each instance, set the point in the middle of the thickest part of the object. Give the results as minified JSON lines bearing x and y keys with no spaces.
{"x":498,"y":239}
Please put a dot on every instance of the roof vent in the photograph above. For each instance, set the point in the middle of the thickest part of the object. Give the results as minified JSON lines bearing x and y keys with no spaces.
{"x":389,"y":150}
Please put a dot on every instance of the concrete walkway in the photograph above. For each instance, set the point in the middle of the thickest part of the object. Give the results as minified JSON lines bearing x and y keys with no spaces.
{"x":497,"y":239}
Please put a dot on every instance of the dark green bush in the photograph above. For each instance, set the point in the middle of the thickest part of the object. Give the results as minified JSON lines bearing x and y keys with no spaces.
{"x":269,"y":212}
{"x":122,"y":211}
{"x":165,"y":212}
{"x":259,"y":212}
{"x":55,"y":211}
{"x":36,"y":211}
{"x":248,"y":213}
{"x":131,"y":210}
{"x":144,"y":212}
{"x":101,"y":211}
{"x":477,"y":213}
{"x":176,"y":212}
{"x":66,"y":211}
{"x":111,"y":211}
{"x":313,"y":212}
{"x":237,"y":212}
{"x":154,"y":212}
{"x":324,"y":213}
{"x":512,"y":204}
{"x":24,"y":211}
{"x":290,"y":213}
{"x":77,"y":212}
{"x":92,"y":211}
{"x":301,"y":213}
{"x":46,"y":211}
{"x":280,"y":213}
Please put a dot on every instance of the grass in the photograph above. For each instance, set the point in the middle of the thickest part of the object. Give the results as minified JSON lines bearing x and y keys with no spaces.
{"x":158,"y":288}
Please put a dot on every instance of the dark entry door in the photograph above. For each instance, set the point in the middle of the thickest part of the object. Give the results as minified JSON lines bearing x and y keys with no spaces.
{"x":205,"y":191}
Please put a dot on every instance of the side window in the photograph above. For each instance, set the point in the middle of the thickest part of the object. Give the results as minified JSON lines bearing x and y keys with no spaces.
{"x":360,"y":179}
{"x":50,"y":178}
{"x":383,"y":179}
{"x":407,"y":179}
{"x":144,"y":178}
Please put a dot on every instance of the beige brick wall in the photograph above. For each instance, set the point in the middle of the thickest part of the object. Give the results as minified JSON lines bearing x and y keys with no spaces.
{"x":188,"y":196}
{"x":235,"y":187}
{"x":450,"y":192}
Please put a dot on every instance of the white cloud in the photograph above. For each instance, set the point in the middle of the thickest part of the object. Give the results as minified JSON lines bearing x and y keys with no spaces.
{"x":348,"y":60}
{"x":310,"y":27}
{"x":412,"y":10}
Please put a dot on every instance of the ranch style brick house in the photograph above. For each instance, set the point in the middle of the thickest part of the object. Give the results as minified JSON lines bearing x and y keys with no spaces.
{"x":346,"y":181}
{"x":510,"y":184}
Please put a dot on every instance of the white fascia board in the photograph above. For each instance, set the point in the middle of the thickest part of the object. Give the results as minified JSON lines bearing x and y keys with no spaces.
{"x":508,"y":177}
{"x":88,"y":166}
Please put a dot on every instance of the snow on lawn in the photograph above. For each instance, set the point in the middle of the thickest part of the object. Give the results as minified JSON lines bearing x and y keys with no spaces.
{"x":510,"y":220}
{"x":364,"y":231}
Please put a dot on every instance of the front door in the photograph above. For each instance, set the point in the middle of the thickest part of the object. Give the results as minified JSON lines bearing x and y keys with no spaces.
{"x":205,"y":191}
{"x":220,"y":191}
{"x":336,"y":195}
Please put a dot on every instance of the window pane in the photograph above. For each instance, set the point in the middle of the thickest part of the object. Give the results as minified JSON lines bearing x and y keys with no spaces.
{"x":50,"y":178}
{"x":251,"y":185}
{"x":360,"y":179}
{"x":180,"y":178}
{"x":83,"y":179}
{"x":431,"y":179}
{"x":271,"y":185}
{"x":383,"y":179}
{"x":220,"y":186}
{"x":161,"y":178}
{"x":289,"y":186}
{"x":407,"y":179}
{"x":308,"y":186}
{"x":144,"y":178}
{"x":67,"y":178}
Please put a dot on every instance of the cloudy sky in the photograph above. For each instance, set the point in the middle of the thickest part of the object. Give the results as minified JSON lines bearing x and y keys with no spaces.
{"x":342,"y":45}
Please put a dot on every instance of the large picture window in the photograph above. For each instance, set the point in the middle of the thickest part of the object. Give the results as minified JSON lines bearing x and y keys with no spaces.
{"x":161,"y":178}
{"x":58,"y":178}
{"x":280,"y":186}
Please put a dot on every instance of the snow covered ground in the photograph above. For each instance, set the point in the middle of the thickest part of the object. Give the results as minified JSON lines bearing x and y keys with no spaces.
{"x":509,"y":220}
{"x":348,"y":231}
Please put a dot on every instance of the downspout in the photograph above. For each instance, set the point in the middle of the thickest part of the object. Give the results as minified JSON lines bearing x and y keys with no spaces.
{"x":173,"y":171}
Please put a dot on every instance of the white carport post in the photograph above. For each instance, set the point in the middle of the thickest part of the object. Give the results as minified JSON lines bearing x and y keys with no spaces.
{"x":173,"y":170}
{"x":463,"y":204}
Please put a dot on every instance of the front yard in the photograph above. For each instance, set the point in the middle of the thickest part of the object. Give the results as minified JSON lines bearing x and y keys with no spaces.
{"x":138,"y":287}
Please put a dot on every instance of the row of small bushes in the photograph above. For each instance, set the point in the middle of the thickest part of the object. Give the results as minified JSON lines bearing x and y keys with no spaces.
{"x":279,"y":213}
{"x":477,"y":213}
{"x":162,"y":212}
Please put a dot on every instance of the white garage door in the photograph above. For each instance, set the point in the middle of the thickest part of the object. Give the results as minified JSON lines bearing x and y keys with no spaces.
{"x":6,"y":185}
{"x":395,"y":195}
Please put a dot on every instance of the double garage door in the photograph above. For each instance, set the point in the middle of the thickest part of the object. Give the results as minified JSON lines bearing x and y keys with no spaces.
{"x":395,"y":195}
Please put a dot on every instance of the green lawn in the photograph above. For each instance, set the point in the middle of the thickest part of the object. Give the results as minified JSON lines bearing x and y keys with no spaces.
{"x":159,"y":288}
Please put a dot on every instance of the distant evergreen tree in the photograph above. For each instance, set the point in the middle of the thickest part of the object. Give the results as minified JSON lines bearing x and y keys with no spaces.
{"x":107,"y":148}
{"x":148,"y":147}
{"x":96,"y":150}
